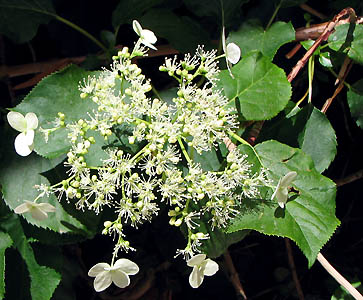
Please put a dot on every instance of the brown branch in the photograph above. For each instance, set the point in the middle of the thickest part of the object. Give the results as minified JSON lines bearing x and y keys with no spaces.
{"x":314,"y":31}
{"x":351,"y":178}
{"x":293,"y":269}
{"x":323,"y":37}
{"x":234,"y":278}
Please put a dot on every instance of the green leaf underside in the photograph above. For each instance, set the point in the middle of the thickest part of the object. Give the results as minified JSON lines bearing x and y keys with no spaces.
{"x":260,"y":87}
{"x":166,"y":24}
{"x":308,"y":218}
{"x":18,"y":176}
{"x":20,"y":19}
{"x":355,"y":101}
{"x":342,"y":37}
{"x":251,"y":36}
{"x":5,"y":242}
{"x":128,"y":10}
{"x":59,"y":93}
{"x":43,"y":280}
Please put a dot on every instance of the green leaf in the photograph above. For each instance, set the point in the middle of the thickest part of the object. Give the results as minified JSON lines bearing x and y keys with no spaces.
{"x":215,"y":8}
{"x":108,"y":38}
{"x":208,"y":160}
{"x":355,"y":101}
{"x":20,"y":19}
{"x":259,"y":88}
{"x":59,"y":93}
{"x":18,"y":176}
{"x":307,"y":129}
{"x":219,"y":241}
{"x":308,"y":218}
{"x":43,"y":280}
{"x":5,"y":242}
{"x":251,"y":36}
{"x":319,"y":140}
{"x":344,"y":40}
{"x":128,"y":10}
{"x":183,"y":33}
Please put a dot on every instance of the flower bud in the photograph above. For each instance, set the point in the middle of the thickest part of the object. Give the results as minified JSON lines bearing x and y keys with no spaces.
{"x":107,"y":224}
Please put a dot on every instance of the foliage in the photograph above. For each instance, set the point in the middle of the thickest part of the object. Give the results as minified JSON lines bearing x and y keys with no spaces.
{"x":197,"y":147}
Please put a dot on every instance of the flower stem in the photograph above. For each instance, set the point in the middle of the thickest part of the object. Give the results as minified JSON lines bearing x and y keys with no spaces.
{"x":184,"y":151}
{"x":273,"y":15}
{"x":81,"y":30}
{"x":242,"y":141}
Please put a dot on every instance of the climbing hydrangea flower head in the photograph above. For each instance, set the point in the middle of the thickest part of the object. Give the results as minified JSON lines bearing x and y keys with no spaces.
{"x":201,"y":267}
{"x":118,"y":273}
{"x":38,"y":210}
{"x":155,"y":163}
{"x":26,"y":125}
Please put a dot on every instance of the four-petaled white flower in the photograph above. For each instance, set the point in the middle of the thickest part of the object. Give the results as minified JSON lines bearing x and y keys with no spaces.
{"x":201,"y":267}
{"x":26,"y":125}
{"x":37,"y":210}
{"x":118,"y":273}
{"x":281,"y":192}
{"x":147,"y":37}
{"x":232,"y":52}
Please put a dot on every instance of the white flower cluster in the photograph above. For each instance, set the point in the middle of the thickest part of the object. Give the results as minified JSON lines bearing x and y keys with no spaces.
{"x":166,"y":135}
{"x":162,"y":169}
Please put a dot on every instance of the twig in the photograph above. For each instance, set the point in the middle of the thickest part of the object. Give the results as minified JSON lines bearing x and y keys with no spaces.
{"x":313,"y":11}
{"x":323,"y":37}
{"x":338,"y":89}
{"x":293,"y":269}
{"x":339,"y":278}
{"x":293,"y":51}
{"x":351,"y":178}
{"x":234,"y":275}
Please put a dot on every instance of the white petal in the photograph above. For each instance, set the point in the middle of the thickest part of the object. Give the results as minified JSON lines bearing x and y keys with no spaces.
{"x":31,"y":120}
{"x":29,"y":136}
{"x":120,"y":278}
{"x":149,"y":36}
{"x":233,"y":53}
{"x":21,"y":145}
{"x":196,"y":260}
{"x":38,"y":214}
{"x":102,"y":281}
{"x":46,"y":207}
{"x":127,"y":266}
{"x":98,"y":268}
{"x":281,"y":197}
{"x":288,"y":179}
{"x":211,"y":267}
{"x":22,"y":208}
{"x":195,"y":278}
{"x":137,"y":27}
{"x":17,"y":121}
{"x":148,"y":45}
